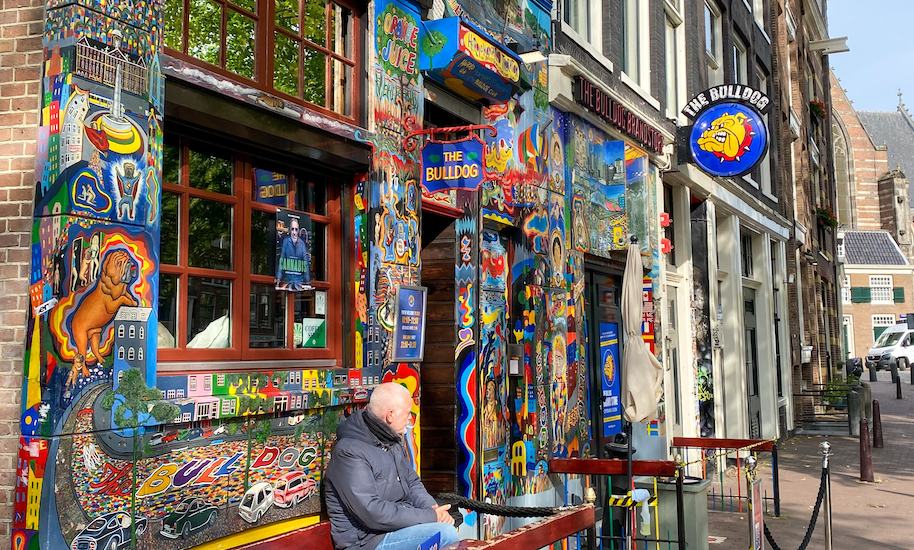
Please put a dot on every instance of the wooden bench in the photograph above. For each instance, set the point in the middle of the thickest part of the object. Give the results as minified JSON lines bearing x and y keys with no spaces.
{"x":313,"y":537}
{"x":535,"y":535}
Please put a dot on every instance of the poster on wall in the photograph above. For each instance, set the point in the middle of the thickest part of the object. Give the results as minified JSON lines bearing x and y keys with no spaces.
{"x":609,"y":359}
{"x":293,"y":250}
{"x":272,"y":187}
{"x":409,"y":325}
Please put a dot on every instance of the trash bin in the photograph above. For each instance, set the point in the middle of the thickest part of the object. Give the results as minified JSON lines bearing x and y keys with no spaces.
{"x":695,"y":504}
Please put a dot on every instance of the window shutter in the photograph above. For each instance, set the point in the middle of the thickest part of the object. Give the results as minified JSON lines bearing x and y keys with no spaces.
{"x":899,"y":294}
{"x":860,"y":294}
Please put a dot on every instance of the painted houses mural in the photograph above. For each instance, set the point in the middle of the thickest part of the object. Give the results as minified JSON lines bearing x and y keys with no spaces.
{"x":116,"y":452}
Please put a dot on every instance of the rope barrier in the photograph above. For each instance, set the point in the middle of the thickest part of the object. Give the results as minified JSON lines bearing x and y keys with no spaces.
{"x":812,"y":521}
{"x":726,"y":452}
{"x":496,"y":509}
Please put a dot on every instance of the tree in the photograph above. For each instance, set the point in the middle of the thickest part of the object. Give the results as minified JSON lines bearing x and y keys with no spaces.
{"x":136,"y":402}
{"x":433,"y":42}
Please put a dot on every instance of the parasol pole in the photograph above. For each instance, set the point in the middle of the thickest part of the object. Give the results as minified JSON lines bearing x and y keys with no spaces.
{"x":628,"y":452}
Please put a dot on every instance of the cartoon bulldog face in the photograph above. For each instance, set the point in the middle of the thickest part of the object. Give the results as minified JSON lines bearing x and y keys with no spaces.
{"x":728,"y":137}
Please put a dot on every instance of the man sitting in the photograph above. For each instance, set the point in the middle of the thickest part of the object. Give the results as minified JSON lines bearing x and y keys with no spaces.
{"x":375,"y":499}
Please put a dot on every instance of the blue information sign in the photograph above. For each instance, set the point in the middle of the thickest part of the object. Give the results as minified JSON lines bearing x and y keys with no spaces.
{"x":433,"y":543}
{"x":409,"y":326}
{"x":609,"y":361}
{"x":452,"y":165}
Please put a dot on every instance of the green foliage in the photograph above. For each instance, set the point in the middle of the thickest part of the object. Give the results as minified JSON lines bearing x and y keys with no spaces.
{"x":231,"y":428}
{"x":262,"y":431}
{"x":108,"y":400}
{"x":139,"y":399}
{"x":433,"y":42}
{"x":299,"y":430}
{"x":835,"y":393}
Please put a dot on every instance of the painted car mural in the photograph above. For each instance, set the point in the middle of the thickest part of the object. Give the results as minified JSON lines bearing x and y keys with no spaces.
{"x":257,"y":500}
{"x":190,"y":515}
{"x":108,"y":532}
{"x":293,"y":488}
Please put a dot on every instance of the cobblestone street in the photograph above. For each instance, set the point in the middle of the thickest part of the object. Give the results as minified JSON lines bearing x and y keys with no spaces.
{"x":864,"y":515}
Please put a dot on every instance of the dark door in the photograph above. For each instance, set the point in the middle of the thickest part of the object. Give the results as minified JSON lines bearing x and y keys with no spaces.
{"x":438,"y":376}
{"x":603,"y":318}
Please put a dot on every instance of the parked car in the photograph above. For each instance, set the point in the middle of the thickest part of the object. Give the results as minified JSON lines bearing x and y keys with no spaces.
{"x":194,"y":433}
{"x":170,"y":436}
{"x":191,"y":514}
{"x":256,"y":501}
{"x":109,"y":531}
{"x":894,"y":346}
{"x":207,"y":432}
{"x":292,"y":488}
{"x":156,"y":438}
{"x":219,"y":430}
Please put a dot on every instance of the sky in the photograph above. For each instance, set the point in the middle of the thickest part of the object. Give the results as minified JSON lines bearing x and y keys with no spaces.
{"x":880,"y":61}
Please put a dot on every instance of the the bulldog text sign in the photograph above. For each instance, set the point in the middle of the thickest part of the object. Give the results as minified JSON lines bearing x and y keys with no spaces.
{"x":452,"y":165}
{"x":729,"y":136}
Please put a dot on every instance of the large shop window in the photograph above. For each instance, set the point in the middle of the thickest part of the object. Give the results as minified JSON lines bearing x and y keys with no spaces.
{"x":304,"y":50}
{"x":217,"y":294}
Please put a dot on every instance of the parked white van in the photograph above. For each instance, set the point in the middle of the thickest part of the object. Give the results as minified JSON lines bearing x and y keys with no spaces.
{"x":895,"y":345}
{"x":257,"y":500}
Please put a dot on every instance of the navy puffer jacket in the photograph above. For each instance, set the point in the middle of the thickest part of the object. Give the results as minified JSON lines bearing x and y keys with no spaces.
{"x":371,"y":488}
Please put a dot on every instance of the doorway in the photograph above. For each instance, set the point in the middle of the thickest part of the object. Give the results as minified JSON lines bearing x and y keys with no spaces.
{"x":752,"y":367}
{"x":603,"y":295}
{"x":438,"y":380}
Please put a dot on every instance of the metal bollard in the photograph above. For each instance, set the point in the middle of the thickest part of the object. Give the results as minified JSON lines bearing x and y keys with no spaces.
{"x":853,"y":412}
{"x":898,"y":388}
{"x":866,"y":398}
{"x":877,"y":427}
{"x":894,"y":367}
{"x":873,"y":373}
{"x":866,"y":453}
{"x":826,"y":502}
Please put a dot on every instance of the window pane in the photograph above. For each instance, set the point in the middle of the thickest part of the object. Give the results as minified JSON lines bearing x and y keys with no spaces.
{"x":310,"y":330}
{"x":171,"y":161}
{"x":314,"y":64}
{"x":168,"y":310}
{"x":250,"y":5}
{"x":174,"y":23}
{"x":339,"y":87}
{"x":268,"y":317}
{"x":239,"y":54}
{"x":209,"y":313}
{"x":285,"y":65}
{"x":168,"y":244}
{"x":205,"y":30}
{"x":318,"y":252}
{"x":287,"y":15}
{"x":263,"y":243}
{"x":316,"y":21}
{"x":340,"y":30}
{"x":311,"y":193}
{"x":210,"y":235}
{"x":211,"y":170}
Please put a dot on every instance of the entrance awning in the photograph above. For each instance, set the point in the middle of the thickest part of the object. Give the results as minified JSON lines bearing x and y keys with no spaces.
{"x":464,"y":59}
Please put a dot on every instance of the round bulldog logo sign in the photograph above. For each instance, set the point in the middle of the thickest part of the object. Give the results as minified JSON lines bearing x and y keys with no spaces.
{"x":728,"y":139}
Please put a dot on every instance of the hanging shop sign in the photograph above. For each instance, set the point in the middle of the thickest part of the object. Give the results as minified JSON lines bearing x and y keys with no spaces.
{"x":729,"y":136}
{"x":460,"y":56}
{"x":271,"y":187}
{"x":609,"y":359}
{"x":409,"y":325}
{"x":452,"y":164}
{"x":589,"y":95}
{"x":293,"y":250}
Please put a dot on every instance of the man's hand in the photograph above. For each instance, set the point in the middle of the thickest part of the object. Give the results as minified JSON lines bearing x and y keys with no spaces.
{"x":443,"y":515}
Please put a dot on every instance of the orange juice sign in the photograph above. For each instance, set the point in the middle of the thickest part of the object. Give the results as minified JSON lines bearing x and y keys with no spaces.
{"x":489,"y":55}
{"x":398,"y":40}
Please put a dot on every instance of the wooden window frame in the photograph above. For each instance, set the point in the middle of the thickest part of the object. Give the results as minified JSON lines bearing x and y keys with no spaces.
{"x":264,"y":44}
{"x":243,"y":203}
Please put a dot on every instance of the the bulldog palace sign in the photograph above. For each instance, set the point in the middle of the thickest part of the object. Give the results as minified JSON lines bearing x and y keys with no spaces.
{"x":729,"y":136}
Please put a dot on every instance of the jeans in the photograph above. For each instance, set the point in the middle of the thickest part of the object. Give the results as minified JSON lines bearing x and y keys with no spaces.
{"x":409,"y":538}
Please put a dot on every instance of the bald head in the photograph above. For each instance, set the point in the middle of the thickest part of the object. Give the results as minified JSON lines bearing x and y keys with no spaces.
{"x":391,"y":403}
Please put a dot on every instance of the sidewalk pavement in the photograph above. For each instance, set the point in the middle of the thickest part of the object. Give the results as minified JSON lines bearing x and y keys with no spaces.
{"x":864,"y":515}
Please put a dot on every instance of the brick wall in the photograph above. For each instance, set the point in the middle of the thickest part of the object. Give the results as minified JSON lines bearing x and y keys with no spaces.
{"x":869,"y":161}
{"x":21,"y":28}
{"x":862,"y":314}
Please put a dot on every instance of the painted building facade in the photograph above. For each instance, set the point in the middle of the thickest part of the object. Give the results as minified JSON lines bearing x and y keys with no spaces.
{"x":172,"y":140}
